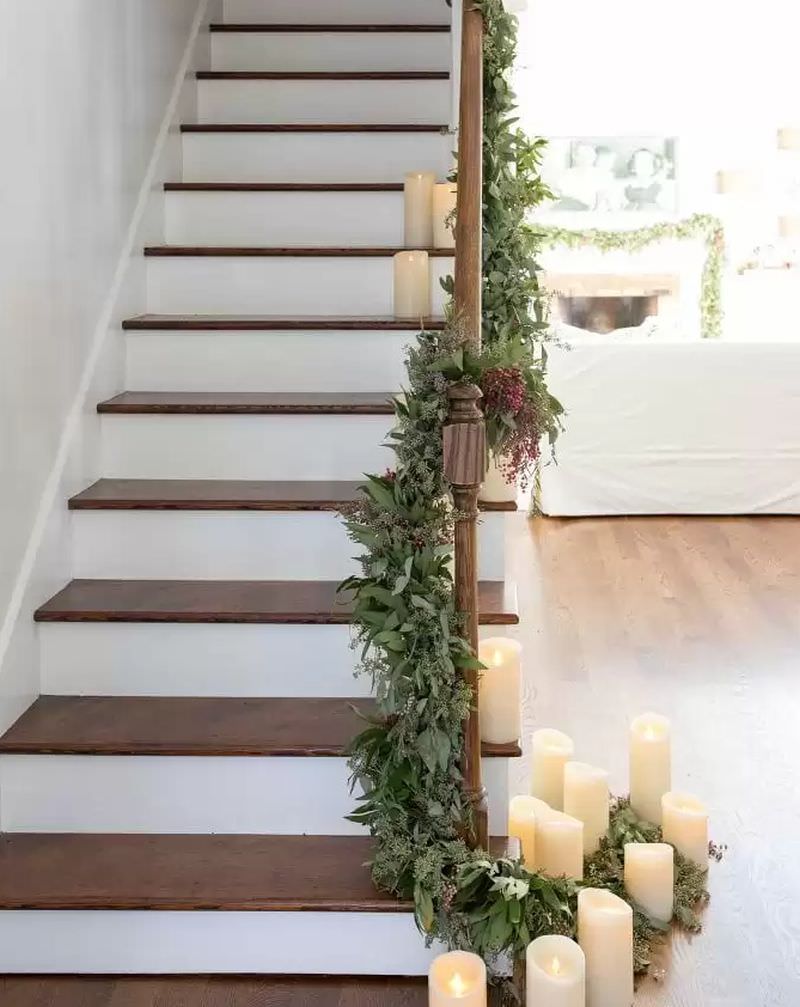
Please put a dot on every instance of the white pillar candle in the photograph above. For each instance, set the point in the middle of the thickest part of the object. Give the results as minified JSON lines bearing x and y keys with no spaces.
{"x":523,"y":815}
{"x":496,"y":488}
{"x":650,"y":878}
{"x":457,"y":979}
{"x":556,"y":973}
{"x":586,"y":797}
{"x":551,"y":751}
{"x":684,"y":824}
{"x":650,"y":765}
{"x":418,"y":205}
{"x":412,"y":285}
{"x":605,"y":933}
{"x":444,"y":203}
{"x":559,"y":845}
{"x":789,"y":138}
{"x":499,"y":699}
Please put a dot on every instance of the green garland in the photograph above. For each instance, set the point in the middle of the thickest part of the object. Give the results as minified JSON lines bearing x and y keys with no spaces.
{"x":699,"y":225}
{"x":406,"y":761}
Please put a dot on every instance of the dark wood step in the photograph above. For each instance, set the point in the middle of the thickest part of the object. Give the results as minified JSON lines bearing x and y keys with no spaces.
{"x":274,"y":323}
{"x":398,"y":75}
{"x":337,"y":28}
{"x":270,"y":252}
{"x":194,"y":726}
{"x":260,"y":403}
{"x":313,"y":127}
{"x":233,"y":601}
{"x":225,"y":495}
{"x":213,"y":991}
{"x":283,"y":186}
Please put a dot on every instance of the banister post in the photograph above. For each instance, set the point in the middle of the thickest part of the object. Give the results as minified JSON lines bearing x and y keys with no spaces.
{"x":465,"y":434}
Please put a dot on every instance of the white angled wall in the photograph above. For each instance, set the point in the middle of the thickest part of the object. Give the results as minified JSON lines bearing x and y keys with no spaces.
{"x":84,"y":86}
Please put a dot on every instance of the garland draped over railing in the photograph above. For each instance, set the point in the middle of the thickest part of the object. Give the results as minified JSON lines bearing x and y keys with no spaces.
{"x":407,"y":758}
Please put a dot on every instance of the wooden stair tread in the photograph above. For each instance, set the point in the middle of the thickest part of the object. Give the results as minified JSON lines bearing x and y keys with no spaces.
{"x":398,"y":75}
{"x":225,"y":494}
{"x":232,"y":601}
{"x":283,"y":186}
{"x":286,"y":251}
{"x":194,"y":726}
{"x":313,"y":127}
{"x":213,"y":991}
{"x":261,"y":403}
{"x":337,"y":28}
{"x":275,"y":323}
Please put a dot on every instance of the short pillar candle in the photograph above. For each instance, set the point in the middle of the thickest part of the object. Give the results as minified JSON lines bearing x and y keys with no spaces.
{"x":556,"y":973}
{"x":684,"y":824}
{"x":418,"y":207}
{"x":586,"y":797}
{"x":444,"y":204}
{"x":650,"y":879}
{"x":412,"y":285}
{"x":524,"y":813}
{"x":551,"y":751}
{"x":559,"y":845}
{"x":457,"y":979}
{"x":499,"y":698}
{"x":650,"y":765}
{"x":605,"y":933}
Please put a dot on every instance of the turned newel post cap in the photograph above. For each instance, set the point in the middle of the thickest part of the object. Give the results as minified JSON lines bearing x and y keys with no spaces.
{"x":465,"y":437}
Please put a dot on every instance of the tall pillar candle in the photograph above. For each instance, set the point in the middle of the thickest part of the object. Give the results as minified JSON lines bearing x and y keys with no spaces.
{"x":605,"y":933}
{"x":684,"y":824}
{"x":555,"y":973}
{"x":524,"y":814}
{"x":418,"y":206}
{"x":650,"y":879}
{"x":457,"y":979}
{"x":412,"y":285}
{"x":551,"y":751}
{"x":586,"y":797}
{"x":444,"y":204}
{"x":499,"y":698}
{"x":559,"y":845}
{"x":650,"y":765}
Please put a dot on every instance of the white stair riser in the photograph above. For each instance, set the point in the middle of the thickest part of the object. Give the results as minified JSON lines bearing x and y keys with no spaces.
{"x":313,"y":157}
{"x":284,"y":218}
{"x":205,"y":659}
{"x":193,"y":794}
{"x":243,"y":447}
{"x":324,"y":285}
{"x":384,"y":101}
{"x":118,"y":942}
{"x":266,"y":361}
{"x":228,"y":545}
{"x":340,"y":12}
{"x":334,"y":51}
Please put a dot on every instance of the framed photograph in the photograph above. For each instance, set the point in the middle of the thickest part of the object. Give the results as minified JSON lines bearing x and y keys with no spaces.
{"x":612,"y":174}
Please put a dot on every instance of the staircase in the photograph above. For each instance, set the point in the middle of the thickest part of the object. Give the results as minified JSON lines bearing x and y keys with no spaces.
{"x":174,"y":801}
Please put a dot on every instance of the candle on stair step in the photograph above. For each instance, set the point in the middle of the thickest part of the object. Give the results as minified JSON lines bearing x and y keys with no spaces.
{"x":650,"y":765}
{"x":650,"y":879}
{"x":412,"y":285}
{"x":418,"y":207}
{"x":524,"y":815}
{"x":551,"y":751}
{"x":499,"y":699}
{"x":586,"y":797}
{"x":684,"y":824}
{"x":556,"y":973}
{"x":605,"y":933}
{"x":457,"y":979}
{"x":444,"y":204}
{"x":559,"y":845}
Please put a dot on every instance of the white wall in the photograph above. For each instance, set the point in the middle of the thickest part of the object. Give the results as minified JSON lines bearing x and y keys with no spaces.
{"x":84,"y":87}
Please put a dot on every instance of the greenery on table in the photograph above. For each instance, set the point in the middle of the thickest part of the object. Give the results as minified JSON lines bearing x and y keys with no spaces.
{"x":699,"y":226}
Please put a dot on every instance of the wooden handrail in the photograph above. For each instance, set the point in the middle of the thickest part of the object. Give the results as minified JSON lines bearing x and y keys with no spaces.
{"x":464,"y":435}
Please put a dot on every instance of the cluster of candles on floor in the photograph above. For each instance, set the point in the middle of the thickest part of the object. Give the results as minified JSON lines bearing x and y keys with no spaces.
{"x":559,"y":823}
{"x":429,"y":206}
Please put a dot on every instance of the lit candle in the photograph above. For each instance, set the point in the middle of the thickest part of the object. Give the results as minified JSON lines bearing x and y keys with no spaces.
{"x":523,"y":814}
{"x":559,"y":845}
{"x":684,"y":824}
{"x":556,"y":973}
{"x":650,"y":878}
{"x":499,"y":699}
{"x":457,"y":979}
{"x":496,"y":488}
{"x":650,"y":765}
{"x":551,"y":751}
{"x":444,"y":203}
{"x":586,"y":798}
{"x":418,"y":205}
{"x":605,"y":933}
{"x":789,"y":138}
{"x":412,"y":285}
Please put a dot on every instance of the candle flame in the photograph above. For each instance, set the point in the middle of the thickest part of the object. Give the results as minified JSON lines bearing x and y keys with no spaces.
{"x":497,"y":658}
{"x":555,"y":967}
{"x":649,"y":733}
{"x":457,"y":986}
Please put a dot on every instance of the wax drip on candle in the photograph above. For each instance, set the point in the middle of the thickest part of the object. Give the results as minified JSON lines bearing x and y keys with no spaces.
{"x":457,"y":985}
